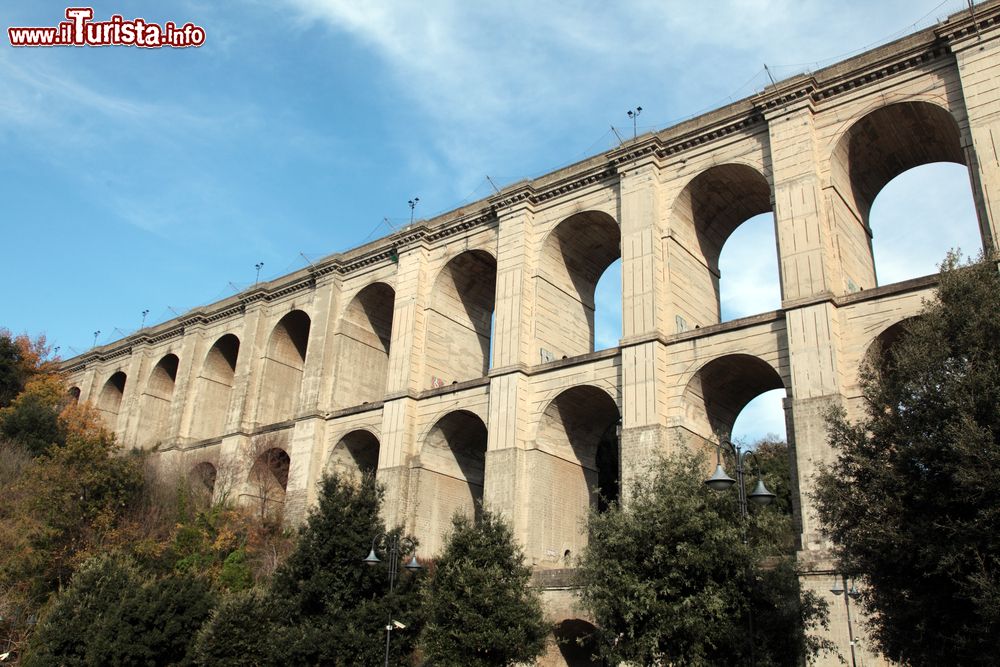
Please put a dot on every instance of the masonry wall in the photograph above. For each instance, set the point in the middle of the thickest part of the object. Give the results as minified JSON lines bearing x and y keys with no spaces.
{"x":379,"y":358}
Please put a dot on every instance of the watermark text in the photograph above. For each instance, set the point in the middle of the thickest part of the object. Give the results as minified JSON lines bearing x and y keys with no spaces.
{"x":81,"y":30}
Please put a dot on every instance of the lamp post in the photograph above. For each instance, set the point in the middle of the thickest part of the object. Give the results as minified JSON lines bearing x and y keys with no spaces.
{"x":392,"y":543}
{"x":840,"y":588}
{"x":634,"y":115}
{"x":413,"y":204}
{"x":720,"y":481}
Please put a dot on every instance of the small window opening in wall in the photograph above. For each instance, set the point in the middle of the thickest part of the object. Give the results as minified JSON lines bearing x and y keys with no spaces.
{"x":566,"y":555}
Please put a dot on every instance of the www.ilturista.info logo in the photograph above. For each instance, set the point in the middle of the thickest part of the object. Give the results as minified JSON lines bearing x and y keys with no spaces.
{"x":80,"y":30}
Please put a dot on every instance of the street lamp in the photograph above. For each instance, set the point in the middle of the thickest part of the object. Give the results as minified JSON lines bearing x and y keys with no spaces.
{"x":720,"y":481}
{"x":849,"y":594}
{"x":392,"y":543}
{"x":634,"y":115}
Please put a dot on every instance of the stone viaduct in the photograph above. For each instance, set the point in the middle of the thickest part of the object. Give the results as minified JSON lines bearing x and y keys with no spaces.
{"x":378,"y":359}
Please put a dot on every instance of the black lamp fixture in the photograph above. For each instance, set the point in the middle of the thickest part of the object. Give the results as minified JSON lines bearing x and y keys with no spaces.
{"x":720,"y":481}
{"x":393,"y":545}
{"x":634,"y":115}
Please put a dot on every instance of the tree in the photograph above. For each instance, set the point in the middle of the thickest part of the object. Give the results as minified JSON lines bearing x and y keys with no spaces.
{"x":71,"y":500}
{"x":913,"y":499}
{"x":772,"y":454}
{"x":479,"y":609}
{"x":340,"y":604}
{"x":99,"y":585}
{"x":33,"y":417}
{"x":245,"y":629}
{"x":20,"y":359}
{"x":670,"y":580}
{"x":32,"y":393}
{"x":108,"y":615}
{"x":324,"y":606}
{"x":11,"y":369}
{"x":773,"y":458}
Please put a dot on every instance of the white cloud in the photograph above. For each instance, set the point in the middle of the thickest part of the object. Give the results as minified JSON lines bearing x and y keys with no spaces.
{"x":502,"y":85}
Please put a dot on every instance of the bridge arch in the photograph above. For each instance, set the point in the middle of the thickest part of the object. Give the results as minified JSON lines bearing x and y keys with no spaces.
{"x":110,"y":400}
{"x":873,"y":151}
{"x":154,"y":409}
{"x":215,"y":387}
{"x":576,"y":640}
{"x":710,"y":208}
{"x":201,"y":479}
{"x":878,"y":355}
{"x":718,"y":391}
{"x":267,"y":480}
{"x":459,"y":319}
{"x":355,"y":454}
{"x":284,"y":365}
{"x":574,"y":256}
{"x":576,"y":467}
{"x":451,"y":471}
{"x":364,"y":339}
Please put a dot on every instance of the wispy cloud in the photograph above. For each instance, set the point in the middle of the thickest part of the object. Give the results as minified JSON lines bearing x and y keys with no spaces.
{"x":44,"y":95}
{"x":510,"y":74}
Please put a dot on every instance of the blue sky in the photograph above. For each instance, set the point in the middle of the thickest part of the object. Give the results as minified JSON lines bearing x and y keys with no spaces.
{"x":136,"y":179}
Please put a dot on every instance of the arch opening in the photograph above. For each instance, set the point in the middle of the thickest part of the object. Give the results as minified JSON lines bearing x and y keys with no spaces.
{"x":577,"y":642}
{"x":710,"y":209}
{"x":110,"y":400}
{"x":749,"y":282}
{"x":215,"y":388}
{"x":879,"y":356}
{"x":762,"y":419}
{"x":284,"y":364}
{"x":459,"y":319}
{"x":574,"y":257}
{"x":451,"y":475}
{"x":608,"y":307}
{"x":154,"y":413}
{"x":268,"y":481}
{"x":363,"y":340}
{"x":202,"y":481}
{"x":718,"y":393}
{"x":73,"y":395}
{"x":877,"y":148}
{"x":577,"y":467}
{"x":354,"y":455}
{"x":739,"y":397}
{"x":918,"y":217}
